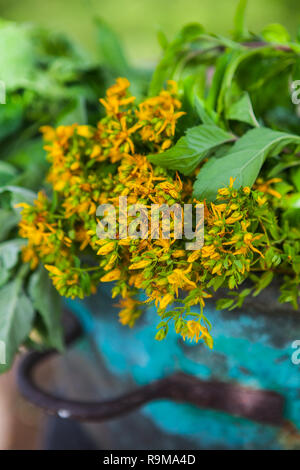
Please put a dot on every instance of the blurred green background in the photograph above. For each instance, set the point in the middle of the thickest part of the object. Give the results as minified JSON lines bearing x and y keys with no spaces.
{"x":137,"y":21}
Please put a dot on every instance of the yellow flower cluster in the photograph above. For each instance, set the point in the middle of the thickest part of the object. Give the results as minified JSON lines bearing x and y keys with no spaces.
{"x":97,"y":165}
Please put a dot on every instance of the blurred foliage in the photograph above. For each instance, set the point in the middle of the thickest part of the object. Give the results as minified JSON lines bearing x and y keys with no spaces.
{"x":137,"y":21}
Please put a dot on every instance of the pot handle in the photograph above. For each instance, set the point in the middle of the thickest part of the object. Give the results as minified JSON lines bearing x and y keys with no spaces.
{"x":263,"y":406}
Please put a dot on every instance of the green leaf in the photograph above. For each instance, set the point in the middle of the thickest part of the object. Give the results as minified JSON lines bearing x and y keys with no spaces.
{"x":263,"y":282}
{"x":4,"y":276}
{"x":295,"y":176}
{"x":284,"y":165}
{"x":16,"y":317}
{"x":223,"y":304}
{"x":110,"y":48}
{"x":218,"y":77}
{"x":293,"y":201}
{"x":205,"y":116}
{"x":242,"y":110}
{"x":30,"y":156}
{"x":191,"y":149}
{"x":7,"y":173}
{"x":7,"y":168}
{"x":9,"y":252}
{"x":180,"y":157}
{"x":28,"y":153}
{"x":276,"y":33}
{"x":17,"y":59}
{"x":46,"y":301}
{"x":240,"y":29}
{"x":228,"y":67}
{"x":75,"y":112}
{"x":206,"y":137}
{"x":162,"y":39}
{"x":243,"y":161}
{"x":19,"y":195}
{"x":8,"y":220}
{"x":11,"y":116}
{"x":9,"y":256}
{"x":173,"y":51}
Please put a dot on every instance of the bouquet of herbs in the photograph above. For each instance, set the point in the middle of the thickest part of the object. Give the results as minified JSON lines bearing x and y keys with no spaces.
{"x":218,"y":127}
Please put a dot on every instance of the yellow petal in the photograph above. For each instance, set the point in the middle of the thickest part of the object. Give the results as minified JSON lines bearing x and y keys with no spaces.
{"x":107,"y":248}
{"x":113,"y":275}
{"x":140,"y":264}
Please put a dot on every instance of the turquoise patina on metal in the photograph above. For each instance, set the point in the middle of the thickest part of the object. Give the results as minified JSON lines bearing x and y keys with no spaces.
{"x":249,"y":348}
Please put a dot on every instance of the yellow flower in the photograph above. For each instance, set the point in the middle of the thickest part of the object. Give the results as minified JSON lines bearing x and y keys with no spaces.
{"x":179,"y":280}
{"x":49,"y":133}
{"x":233,"y":218}
{"x":208,"y":251}
{"x":96,"y":151}
{"x":264,"y":186}
{"x":124,"y":241}
{"x":223,"y":191}
{"x":261,"y":200}
{"x":84,"y":131}
{"x":116,"y":97}
{"x":218,"y":209}
{"x":111,"y":262}
{"x":166,"y":144}
{"x":217,"y":269}
{"x":166,"y":300}
{"x":83,"y":237}
{"x":170,"y":119}
{"x":194,"y":256}
{"x":231,"y":181}
{"x":107,"y":248}
{"x":249,"y":239}
{"x":178,"y":253}
{"x":140,"y":264}
{"x":113,"y":275}
{"x":29,"y":255}
{"x":24,"y":205}
{"x":195,"y":331}
{"x":128,"y":313}
{"x":119,"y":88}
{"x":54,"y":270}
